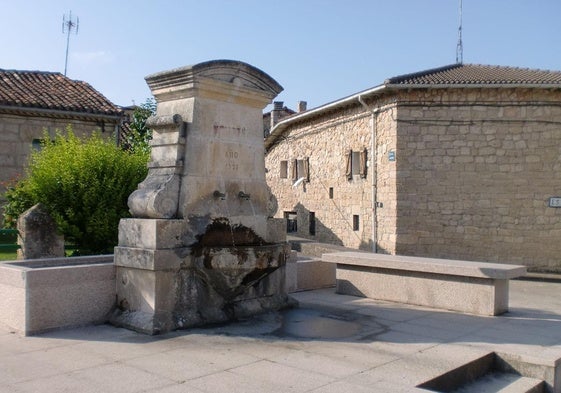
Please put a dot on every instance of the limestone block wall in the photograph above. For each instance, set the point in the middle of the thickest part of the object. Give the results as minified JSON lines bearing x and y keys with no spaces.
{"x":341,"y":208}
{"x":474,"y":172}
{"x":386,"y":179}
{"x":18,"y":132}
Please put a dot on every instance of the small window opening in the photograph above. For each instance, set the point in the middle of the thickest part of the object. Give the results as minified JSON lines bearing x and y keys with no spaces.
{"x":356,"y":222}
{"x":330,"y":192}
{"x":284,"y":169}
{"x":291,"y":222}
{"x":37,"y":144}
{"x":355,"y":163}
{"x":312,"y":218}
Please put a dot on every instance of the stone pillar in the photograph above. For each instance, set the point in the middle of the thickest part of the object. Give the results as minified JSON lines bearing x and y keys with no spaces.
{"x":202,"y":246}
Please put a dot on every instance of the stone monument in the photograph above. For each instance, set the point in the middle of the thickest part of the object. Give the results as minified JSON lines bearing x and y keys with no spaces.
{"x":202,"y":246}
{"x":38,"y":235}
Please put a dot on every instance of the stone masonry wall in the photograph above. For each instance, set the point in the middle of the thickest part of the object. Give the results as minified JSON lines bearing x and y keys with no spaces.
{"x":326,"y":141}
{"x":474,"y":175}
{"x":385,"y":180}
{"x":462,"y":174}
{"x":16,"y":137}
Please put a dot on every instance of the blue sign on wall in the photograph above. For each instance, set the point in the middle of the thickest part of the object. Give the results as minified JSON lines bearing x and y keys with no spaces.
{"x":391,"y":155}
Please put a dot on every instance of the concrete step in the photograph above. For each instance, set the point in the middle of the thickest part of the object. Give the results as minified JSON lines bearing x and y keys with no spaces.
{"x":490,"y":373}
{"x":503,"y":383}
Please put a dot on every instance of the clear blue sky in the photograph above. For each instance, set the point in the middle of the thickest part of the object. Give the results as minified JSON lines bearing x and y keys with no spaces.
{"x":318,"y":50}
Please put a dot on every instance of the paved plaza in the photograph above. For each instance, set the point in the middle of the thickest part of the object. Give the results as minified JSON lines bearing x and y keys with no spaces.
{"x":332,"y":343}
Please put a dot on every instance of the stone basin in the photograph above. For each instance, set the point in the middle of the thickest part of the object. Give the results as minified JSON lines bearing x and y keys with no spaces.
{"x":230,"y":271}
{"x":52,"y":293}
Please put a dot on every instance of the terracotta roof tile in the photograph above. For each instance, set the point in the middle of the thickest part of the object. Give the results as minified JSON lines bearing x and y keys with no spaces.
{"x":52,"y":90}
{"x":475,"y":74}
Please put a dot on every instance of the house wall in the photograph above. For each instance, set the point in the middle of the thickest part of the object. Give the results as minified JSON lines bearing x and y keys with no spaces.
{"x":326,"y":141}
{"x":385,"y":181}
{"x":474,"y":175}
{"x":16,"y":137}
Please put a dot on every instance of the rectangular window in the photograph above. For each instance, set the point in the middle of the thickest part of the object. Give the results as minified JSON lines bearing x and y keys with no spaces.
{"x":356,"y":164}
{"x":356,"y":222}
{"x":312,"y":218}
{"x":284,"y":169}
{"x":291,"y":222}
{"x":294,"y":173}
{"x":37,"y":144}
{"x":330,"y":192}
{"x":301,"y":169}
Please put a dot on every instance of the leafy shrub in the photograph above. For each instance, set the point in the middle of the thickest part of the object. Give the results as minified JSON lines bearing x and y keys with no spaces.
{"x":137,"y":140}
{"x":84,"y":183}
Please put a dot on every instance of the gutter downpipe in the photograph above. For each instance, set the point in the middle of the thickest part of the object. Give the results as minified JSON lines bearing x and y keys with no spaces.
{"x":373,"y":131}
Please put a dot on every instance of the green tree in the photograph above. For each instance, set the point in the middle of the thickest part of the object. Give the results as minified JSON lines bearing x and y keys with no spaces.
{"x":138,"y":137}
{"x":84,"y":183}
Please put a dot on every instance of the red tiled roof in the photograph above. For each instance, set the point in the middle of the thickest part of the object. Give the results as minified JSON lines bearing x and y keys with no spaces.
{"x":475,"y":74}
{"x":52,"y":91}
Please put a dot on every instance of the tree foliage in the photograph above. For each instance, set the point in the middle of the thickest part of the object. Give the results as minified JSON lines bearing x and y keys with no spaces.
{"x":84,"y":184}
{"x":139,"y":135}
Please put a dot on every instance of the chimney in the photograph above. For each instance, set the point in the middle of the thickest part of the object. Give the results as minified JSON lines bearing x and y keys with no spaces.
{"x":276,"y":112}
{"x":302,"y":106}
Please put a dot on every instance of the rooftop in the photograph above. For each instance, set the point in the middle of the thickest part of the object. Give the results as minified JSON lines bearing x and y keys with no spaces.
{"x":52,"y":91}
{"x":470,"y":74}
{"x":450,"y":76}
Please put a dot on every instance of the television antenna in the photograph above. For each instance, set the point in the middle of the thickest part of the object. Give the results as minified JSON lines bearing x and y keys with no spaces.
{"x":460,"y":45}
{"x":69,"y":25}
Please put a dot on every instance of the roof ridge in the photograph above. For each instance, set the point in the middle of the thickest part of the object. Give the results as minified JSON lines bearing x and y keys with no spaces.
{"x":476,"y":74}
{"x":31,"y":72}
{"x":497,"y":66}
{"x":53,"y":91}
{"x":418,"y":74}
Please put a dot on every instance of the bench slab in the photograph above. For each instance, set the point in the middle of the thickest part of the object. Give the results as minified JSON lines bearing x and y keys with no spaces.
{"x":471,"y":287}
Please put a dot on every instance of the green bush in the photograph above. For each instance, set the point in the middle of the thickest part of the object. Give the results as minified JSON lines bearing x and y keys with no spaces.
{"x":139,"y":136}
{"x":84,"y":184}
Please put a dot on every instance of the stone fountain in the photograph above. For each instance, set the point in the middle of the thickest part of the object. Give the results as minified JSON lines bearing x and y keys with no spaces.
{"x":202,"y":247}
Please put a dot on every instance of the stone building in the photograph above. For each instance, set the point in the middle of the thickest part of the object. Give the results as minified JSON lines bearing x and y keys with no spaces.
{"x":34,"y":101}
{"x":278,"y":112}
{"x":462,"y":161}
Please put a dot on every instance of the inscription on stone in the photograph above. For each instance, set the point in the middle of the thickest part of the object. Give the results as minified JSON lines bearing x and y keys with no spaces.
{"x":232,"y":162}
{"x":233,"y":129}
{"x":555,"y":202}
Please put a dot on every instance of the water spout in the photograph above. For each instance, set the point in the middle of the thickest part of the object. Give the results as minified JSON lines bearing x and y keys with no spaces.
{"x":218,"y":194}
{"x":243,"y":195}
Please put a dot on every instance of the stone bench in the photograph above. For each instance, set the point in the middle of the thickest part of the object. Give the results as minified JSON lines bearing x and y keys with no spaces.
{"x":471,"y":287}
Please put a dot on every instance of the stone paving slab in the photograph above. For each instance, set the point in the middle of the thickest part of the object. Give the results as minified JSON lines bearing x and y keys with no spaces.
{"x":397,"y":347}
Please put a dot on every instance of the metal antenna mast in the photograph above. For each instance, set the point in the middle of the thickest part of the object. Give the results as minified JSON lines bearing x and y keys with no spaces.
{"x":69,"y":25}
{"x":460,"y":46}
